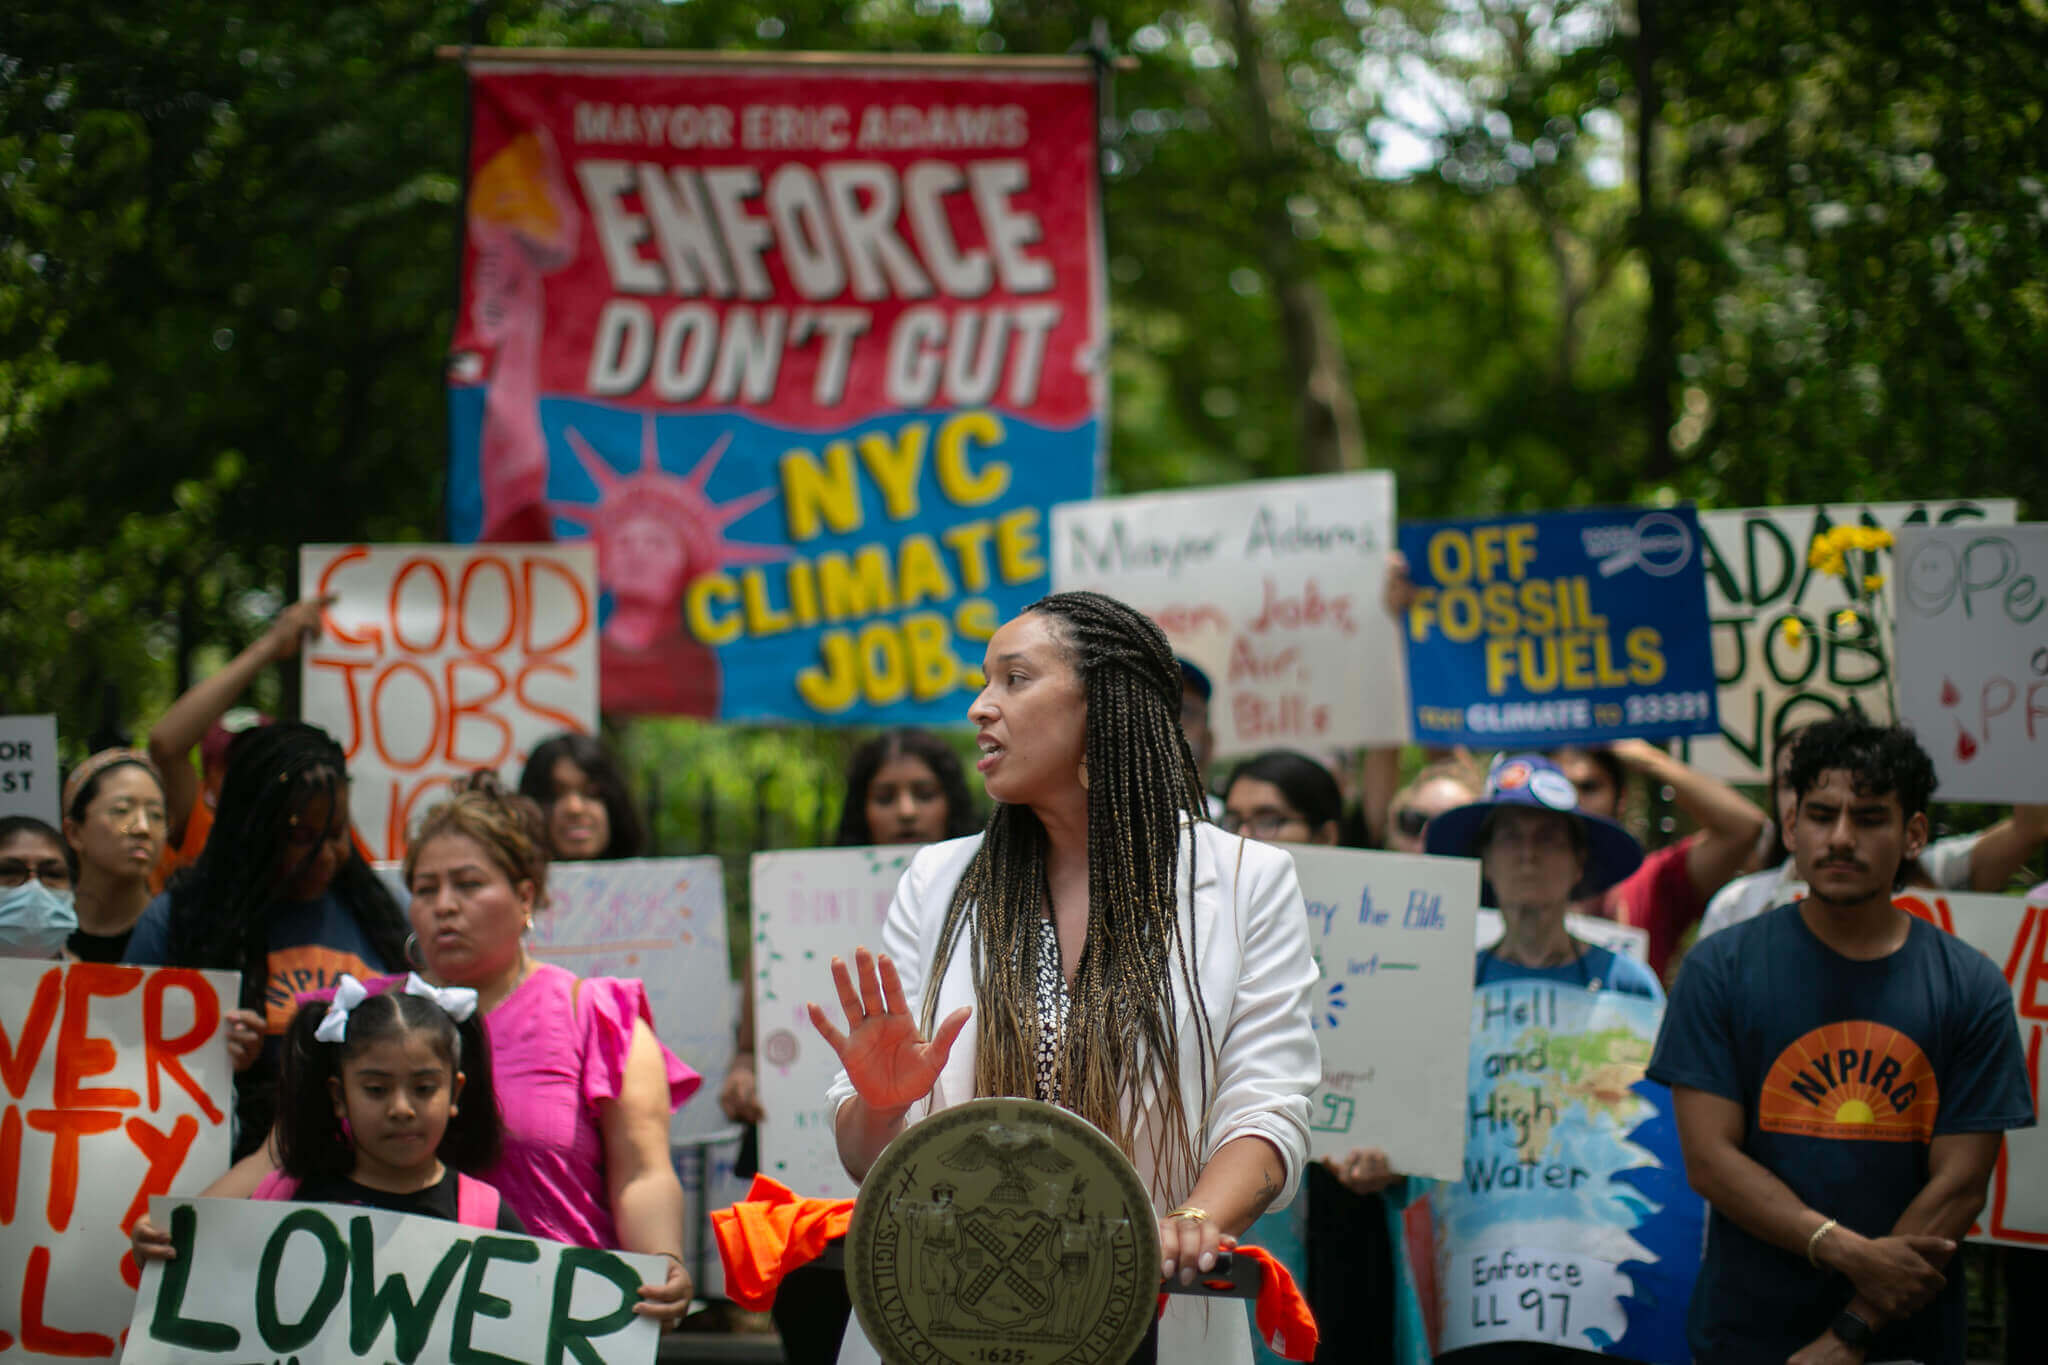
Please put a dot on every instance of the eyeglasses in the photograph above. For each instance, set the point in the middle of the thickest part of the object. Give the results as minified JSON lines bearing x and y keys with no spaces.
{"x":1411,"y":821}
{"x":1263,"y":824}
{"x":51,"y":872}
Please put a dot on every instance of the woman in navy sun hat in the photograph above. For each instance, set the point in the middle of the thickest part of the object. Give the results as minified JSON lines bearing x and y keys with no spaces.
{"x":1538,"y":853}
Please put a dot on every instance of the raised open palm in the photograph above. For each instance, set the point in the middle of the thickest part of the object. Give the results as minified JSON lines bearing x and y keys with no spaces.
{"x":887,"y":1059}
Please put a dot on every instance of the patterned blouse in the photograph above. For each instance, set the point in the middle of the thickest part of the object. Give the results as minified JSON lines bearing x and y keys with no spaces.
{"x":1053,"y":1006}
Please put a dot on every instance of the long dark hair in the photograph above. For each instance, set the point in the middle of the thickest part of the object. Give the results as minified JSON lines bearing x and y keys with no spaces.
{"x":311,"y":1144}
{"x":537,"y":783}
{"x":1142,"y":790}
{"x":1308,"y":786}
{"x":221,"y":905}
{"x":871,"y":757}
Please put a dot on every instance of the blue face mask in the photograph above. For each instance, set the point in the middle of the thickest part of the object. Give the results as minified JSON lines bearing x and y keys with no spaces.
{"x":34,"y":920}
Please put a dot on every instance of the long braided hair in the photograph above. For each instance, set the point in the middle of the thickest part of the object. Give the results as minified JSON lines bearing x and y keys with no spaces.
{"x":220,"y":906}
{"x":1142,"y":789}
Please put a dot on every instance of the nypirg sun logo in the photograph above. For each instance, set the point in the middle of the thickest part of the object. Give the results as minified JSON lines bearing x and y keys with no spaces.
{"x":1857,"y":1080}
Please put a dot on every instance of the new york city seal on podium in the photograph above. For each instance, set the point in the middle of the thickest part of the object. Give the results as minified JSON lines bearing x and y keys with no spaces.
{"x":1003,"y":1232}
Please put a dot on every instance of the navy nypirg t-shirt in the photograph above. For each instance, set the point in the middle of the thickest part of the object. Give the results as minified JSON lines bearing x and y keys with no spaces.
{"x":1846,"y":1071}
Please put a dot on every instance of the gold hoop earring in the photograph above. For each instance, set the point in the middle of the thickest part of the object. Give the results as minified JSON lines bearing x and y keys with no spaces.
{"x":1084,"y":775}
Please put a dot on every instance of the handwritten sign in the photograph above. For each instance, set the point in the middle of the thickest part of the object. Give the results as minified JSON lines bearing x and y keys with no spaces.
{"x":118,"y":1075}
{"x":313,"y":1283}
{"x":1392,"y":935}
{"x":2014,"y":934}
{"x":1564,"y":628}
{"x":1272,"y":587}
{"x":808,"y":352}
{"x":1571,"y":1222}
{"x":1758,"y":577}
{"x":28,"y":767}
{"x":1972,"y":623}
{"x":1624,"y":940}
{"x":440,"y":659}
{"x":808,"y":906}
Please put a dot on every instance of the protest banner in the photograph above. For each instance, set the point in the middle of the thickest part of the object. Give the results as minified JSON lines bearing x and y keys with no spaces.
{"x":1273,"y":587}
{"x":808,"y":351}
{"x":808,"y":906}
{"x":1571,"y":1222}
{"x":1759,"y":575}
{"x":317,"y":1284}
{"x":1623,"y":940}
{"x":2014,"y":934}
{"x":1558,"y":628}
{"x":28,"y":767}
{"x":117,"y":1088}
{"x":439,"y":659}
{"x":1972,"y":654}
{"x":1392,"y":936}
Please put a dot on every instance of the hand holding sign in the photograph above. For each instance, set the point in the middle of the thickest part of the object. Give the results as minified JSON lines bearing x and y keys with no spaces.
{"x":887,"y":1059}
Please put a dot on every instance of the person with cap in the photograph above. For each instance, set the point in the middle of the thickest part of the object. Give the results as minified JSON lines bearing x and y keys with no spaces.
{"x":1539,"y":853}
{"x":206,"y":717}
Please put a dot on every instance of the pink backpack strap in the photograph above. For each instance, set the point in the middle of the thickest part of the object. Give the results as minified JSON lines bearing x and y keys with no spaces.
{"x":276,"y":1185}
{"x":476,"y":1202}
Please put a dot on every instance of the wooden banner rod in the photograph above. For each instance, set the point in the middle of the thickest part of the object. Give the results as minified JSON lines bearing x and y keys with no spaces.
{"x":909,"y":61}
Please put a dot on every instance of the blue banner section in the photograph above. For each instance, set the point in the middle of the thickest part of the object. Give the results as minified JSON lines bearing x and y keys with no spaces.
{"x":754,"y":572}
{"x":1559,"y":628}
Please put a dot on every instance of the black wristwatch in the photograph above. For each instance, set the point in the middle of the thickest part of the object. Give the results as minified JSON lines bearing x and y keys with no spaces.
{"x":1853,"y":1331}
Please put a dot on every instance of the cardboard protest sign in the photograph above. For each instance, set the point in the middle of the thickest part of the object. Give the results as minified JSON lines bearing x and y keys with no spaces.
{"x":2014,"y":934}
{"x":1392,"y":934}
{"x":1571,"y":1222}
{"x":1558,"y":628}
{"x":1623,"y":940}
{"x":808,"y":906}
{"x":1972,"y":625}
{"x":439,"y":659}
{"x":260,"y":1279}
{"x":1273,"y":587}
{"x":808,"y":352}
{"x":117,"y":1088}
{"x":1760,"y":575}
{"x":28,"y":767}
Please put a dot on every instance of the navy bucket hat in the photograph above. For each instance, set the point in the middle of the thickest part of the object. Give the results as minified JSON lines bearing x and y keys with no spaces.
{"x":1533,"y":782}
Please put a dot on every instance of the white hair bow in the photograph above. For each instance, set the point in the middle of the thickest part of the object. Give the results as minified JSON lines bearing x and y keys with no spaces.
{"x":458,"y":1001}
{"x":348,"y":993}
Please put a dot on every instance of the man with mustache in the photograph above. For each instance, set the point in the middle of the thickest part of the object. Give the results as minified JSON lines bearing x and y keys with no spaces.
{"x":1843,"y":1076}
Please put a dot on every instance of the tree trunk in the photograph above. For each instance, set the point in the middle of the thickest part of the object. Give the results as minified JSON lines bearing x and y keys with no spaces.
{"x":1660,"y":342}
{"x":1326,"y":407}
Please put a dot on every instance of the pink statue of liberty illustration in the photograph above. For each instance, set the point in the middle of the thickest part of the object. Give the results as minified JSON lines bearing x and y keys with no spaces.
{"x":656,"y":532}
{"x":522,"y":225}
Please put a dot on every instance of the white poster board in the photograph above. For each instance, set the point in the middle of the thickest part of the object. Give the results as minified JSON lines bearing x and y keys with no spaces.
{"x":2013,"y":934}
{"x":1273,"y":587}
{"x":1392,"y":934}
{"x":28,"y":768}
{"x":439,"y":659}
{"x":809,"y":905}
{"x":1757,"y":576}
{"x":116,"y":1088}
{"x":1623,"y":940}
{"x":314,"y":1283}
{"x":1972,"y":624}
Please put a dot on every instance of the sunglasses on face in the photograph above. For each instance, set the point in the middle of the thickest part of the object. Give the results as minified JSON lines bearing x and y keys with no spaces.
{"x":51,"y":873}
{"x":1410,"y":821}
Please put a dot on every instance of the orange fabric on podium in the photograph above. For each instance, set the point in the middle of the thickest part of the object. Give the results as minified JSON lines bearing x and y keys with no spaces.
{"x":770,"y":1233}
{"x":1285,"y":1324}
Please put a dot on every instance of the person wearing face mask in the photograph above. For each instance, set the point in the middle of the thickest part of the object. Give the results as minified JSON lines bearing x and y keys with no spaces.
{"x":113,"y":807}
{"x":280,"y":895}
{"x":36,"y":916}
{"x":577,"y":784}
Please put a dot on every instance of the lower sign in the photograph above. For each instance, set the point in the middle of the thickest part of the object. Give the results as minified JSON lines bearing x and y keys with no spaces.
{"x":1003,"y":1229}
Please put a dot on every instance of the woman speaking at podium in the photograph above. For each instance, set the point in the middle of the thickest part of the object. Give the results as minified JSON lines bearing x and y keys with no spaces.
{"x":1101,"y":946}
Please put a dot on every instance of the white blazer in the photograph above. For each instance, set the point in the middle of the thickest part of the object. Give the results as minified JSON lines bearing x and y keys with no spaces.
{"x":1246,"y":927}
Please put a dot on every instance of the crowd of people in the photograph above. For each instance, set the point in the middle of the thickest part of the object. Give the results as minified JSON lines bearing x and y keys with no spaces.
{"x":1110,"y":933}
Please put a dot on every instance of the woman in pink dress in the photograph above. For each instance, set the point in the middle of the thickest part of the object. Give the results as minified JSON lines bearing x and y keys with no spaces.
{"x":585,"y":1086}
